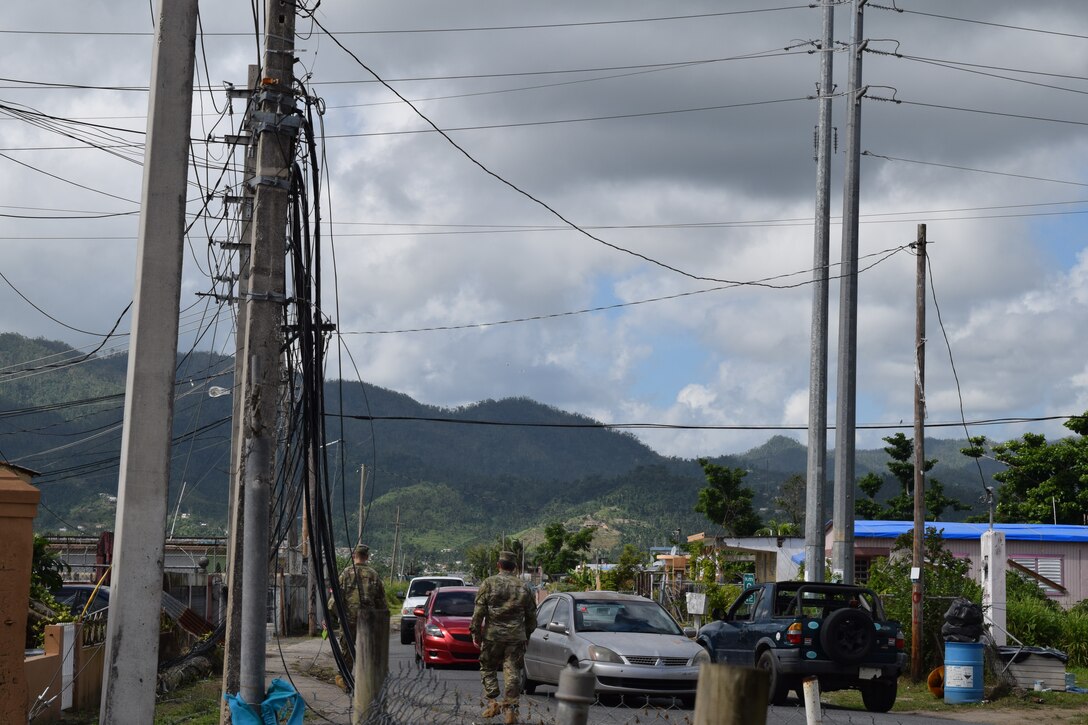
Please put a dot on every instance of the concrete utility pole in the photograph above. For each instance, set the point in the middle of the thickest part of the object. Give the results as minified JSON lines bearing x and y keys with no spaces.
{"x":817,"y":392}
{"x":842,"y":546}
{"x":276,"y":125}
{"x":132,"y":635}
{"x":917,"y":587}
{"x":236,"y":508}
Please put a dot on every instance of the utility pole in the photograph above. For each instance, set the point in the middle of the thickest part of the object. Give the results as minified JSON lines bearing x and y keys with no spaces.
{"x":276,"y":127}
{"x":817,"y":392}
{"x":842,"y":545}
{"x":917,"y":586}
{"x":362,"y":492}
{"x":132,"y":634}
{"x":396,"y":540}
{"x":236,"y":507}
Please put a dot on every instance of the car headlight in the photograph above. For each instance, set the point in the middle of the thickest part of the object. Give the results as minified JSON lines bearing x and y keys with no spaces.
{"x":603,"y":654}
{"x":433,"y":630}
{"x":701,"y":657}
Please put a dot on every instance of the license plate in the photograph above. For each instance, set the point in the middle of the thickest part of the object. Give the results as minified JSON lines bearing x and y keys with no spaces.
{"x":869,"y":673}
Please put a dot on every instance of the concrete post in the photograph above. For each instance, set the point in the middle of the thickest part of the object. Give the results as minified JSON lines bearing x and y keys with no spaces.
{"x":728,"y":695}
{"x":992,"y":572}
{"x":575,"y":694}
{"x":18,"y":507}
{"x":132,"y":642}
{"x":371,"y":664}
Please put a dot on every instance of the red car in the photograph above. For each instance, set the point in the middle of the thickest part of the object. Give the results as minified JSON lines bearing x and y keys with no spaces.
{"x":442,"y":636}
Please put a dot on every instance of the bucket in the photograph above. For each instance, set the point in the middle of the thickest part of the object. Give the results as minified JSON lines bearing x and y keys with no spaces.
{"x":962,"y":672}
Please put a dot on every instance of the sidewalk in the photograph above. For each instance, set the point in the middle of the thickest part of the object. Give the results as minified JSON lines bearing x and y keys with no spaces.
{"x":306,"y":657}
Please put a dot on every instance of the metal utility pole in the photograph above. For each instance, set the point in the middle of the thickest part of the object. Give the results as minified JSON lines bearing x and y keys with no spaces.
{"x":842,"y":545}
{"x":132,"y":635}
{"x":817,"y":391}
{"x":917,"y":587}
{"x":276,"y":125}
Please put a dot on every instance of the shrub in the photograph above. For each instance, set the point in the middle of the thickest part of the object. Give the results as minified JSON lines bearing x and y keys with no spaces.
{"x":945,"y":578}
{"x":1075,"y":637}
{"x":1033,"y":622}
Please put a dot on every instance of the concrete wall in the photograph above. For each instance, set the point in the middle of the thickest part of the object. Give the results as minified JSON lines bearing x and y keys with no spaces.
{"x":69,"y":675}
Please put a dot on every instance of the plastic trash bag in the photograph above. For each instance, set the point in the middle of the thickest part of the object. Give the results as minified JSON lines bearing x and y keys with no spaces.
{"x":282,"y":706}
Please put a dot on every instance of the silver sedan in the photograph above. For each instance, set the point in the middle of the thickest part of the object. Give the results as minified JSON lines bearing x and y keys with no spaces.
{"x":630,"y":644}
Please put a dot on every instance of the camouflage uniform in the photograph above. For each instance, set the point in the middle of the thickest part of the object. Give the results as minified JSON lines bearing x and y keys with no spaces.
{"x":503,"y":619}
{"x":360,"y":587}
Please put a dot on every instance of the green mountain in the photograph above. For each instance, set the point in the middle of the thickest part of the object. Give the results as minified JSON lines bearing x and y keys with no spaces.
{"x":453,"y":476}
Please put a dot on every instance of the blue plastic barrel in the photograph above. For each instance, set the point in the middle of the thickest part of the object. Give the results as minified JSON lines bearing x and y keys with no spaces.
{"x":962,"y":672}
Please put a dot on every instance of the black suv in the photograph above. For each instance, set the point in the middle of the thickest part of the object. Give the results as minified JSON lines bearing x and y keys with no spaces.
{"x":836,"y":632}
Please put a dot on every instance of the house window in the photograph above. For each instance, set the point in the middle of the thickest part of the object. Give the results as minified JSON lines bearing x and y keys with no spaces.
{"x":1048,"y":566}
{"x":861,"y":570}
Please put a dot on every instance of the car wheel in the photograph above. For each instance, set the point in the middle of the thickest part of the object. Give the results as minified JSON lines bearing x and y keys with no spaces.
{"x":879,"y":695}
{"x":777,"y":687}
{"x":407,"y":636}
{"x":847,"y":635}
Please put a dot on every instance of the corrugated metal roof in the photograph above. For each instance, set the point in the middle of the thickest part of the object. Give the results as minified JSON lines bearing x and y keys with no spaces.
{"x":960,"y":530}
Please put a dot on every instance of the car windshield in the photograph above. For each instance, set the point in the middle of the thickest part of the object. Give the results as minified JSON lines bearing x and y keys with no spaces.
{"x":623,"y":616}
{"x":453,"y":604}
{"x":423,"y":587}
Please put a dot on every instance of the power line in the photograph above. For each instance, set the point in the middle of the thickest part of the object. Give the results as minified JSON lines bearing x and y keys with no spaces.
{"x":508,"y":183}
{"x":681,"y":426}
{"x":977,"y":171}
{"x":482,"y":28}
{"x":765,"y":282}
{"x":985,"y":22}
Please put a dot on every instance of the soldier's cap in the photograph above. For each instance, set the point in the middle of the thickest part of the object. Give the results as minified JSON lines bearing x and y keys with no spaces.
{"x":361,"y":549}
{"x":508,"y":557}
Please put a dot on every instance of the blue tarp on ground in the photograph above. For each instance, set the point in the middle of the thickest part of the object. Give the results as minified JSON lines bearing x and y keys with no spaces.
{"x":959,"y":530}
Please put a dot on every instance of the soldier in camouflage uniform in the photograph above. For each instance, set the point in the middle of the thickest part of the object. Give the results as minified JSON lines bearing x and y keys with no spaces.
{"x":502,"y":621}
{"x":360,"y":587}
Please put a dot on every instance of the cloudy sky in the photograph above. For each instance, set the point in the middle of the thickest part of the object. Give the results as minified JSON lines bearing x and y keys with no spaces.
{"x":679,"y":134}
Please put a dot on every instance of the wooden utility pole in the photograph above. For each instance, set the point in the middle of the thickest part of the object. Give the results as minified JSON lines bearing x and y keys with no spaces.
{"x":236,"y":498}
{"x":132,"y":635}
{"x":276,"y":125}
{"x":917,"y":587}
{"x":396,"y":540}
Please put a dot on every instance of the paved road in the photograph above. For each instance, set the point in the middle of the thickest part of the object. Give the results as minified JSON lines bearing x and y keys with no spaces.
{"x":463,"y":686}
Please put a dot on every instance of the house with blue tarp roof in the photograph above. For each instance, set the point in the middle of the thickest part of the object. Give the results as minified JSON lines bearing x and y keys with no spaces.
{"x":1055,"y":556}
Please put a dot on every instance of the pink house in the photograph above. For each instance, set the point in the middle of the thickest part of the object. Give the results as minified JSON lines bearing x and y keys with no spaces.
{"x":1056,"y":555}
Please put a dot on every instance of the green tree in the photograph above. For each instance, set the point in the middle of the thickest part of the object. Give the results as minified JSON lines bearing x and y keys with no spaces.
{"x":945,"y":577}
{"x":792,"y":500}
{"x":1042,"y":477}
{"x":900,"y":507}
{"x":47,"y":569}
{"x":726,"y":500}
{"x":628,"y":563}
{"x":867,"y":507}
{"x":562,"y":550}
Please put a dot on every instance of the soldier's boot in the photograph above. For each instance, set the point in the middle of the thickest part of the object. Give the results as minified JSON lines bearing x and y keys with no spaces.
{"x":509,"y":714}
{"x":492,"y":709}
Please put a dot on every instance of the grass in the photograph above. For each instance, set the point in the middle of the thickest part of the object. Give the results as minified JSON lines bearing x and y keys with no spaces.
{"x":915,"y":696}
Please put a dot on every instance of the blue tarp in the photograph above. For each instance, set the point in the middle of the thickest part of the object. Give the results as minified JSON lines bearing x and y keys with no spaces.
{"x":282,"y":706}
{"x":959,"y":530}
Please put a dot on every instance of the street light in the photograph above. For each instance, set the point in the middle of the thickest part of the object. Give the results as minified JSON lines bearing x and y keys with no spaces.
{"x":215,"y":391}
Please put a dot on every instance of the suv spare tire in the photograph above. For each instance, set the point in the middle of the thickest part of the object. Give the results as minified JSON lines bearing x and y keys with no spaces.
{"x":847,"y":635}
